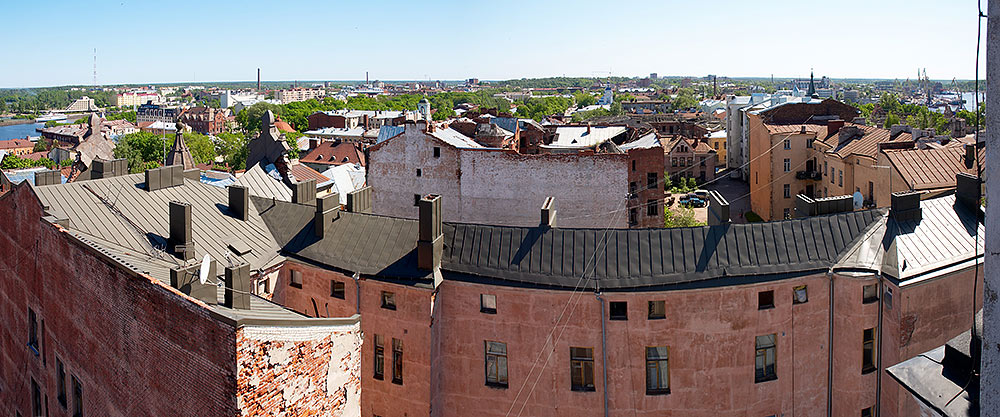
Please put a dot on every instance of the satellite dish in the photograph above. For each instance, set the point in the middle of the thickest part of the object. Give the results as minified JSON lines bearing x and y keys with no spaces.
{"x":206,"y":263}
{"x":859,"y":200}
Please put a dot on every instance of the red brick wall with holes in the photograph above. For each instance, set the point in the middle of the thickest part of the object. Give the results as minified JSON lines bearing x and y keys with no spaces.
{"x":136,"y":347}
{"x":648,"y":201}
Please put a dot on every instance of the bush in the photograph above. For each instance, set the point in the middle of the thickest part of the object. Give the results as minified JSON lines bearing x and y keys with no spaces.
{"x":753,"y":217}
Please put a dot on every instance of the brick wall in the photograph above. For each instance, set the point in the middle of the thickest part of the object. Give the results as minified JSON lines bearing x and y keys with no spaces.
{"x":643,"y":162}
{"x":136,"y":346}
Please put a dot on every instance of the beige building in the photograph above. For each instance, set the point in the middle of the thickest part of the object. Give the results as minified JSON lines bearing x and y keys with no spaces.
{"x":298,"y":94}
{"x":137,"y":99}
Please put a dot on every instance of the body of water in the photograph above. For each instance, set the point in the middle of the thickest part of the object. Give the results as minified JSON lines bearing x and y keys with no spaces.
{"x":20,"y":131}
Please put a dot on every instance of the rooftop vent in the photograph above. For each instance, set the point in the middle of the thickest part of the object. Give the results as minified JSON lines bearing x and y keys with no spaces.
{"x":718,"y":209}
{"x":905,"y":206}
{"x":849,"y":132}
{"x":968,"y":190}
{"x":48,"y":177}
{"x":807,"y":206}
{"x":237,"y":287}
{"x":164,"y":177}
{"x":105,"y":168}
{"x":360,"y":201}
{"x":549,"y":212}
{"x":327,"y":210}
{"x":304,"y":192}
{"x":239,"y":201}
{"x":186,"y":279}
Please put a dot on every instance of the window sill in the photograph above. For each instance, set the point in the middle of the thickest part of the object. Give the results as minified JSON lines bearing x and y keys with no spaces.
{"x":618,"y":318}
{"x":658,"y":391}
{"x":397,"y":381}
{"x":378,"y":377}
{"x":865,"y":371}
{"x":488,"y":310}
{"x":770,"y":307}
{"x":338,"y":297}
{"x":583,"y":389}
{"x":765,"y":379}
{"x":657,"y":317}
{"x":496,"y":385}
{"x":299,"y":286}
{"x":388,"y":307}
{"x":869,"y":301}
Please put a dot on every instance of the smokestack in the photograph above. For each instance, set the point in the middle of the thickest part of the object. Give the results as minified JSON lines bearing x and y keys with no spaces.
{"x":239,"y":201}
{"x":180,"y":242}
{"x":430,"y":243}
{"x":258,"y":79}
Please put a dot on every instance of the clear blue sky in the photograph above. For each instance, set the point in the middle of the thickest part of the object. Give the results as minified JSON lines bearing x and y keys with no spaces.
{"x":52,"y":42}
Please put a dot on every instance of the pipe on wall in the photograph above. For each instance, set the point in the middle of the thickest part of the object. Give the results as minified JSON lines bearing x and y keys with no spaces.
{"x":604,"y":352}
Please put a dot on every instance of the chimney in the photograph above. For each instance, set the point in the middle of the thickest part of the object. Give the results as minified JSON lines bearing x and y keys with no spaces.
{"x":718,"y":209}
{"x":313,"y":143}
{"x":239,"y":201}
{"x":187,"y":279}
{"x":548,"y":212}
{"x":304,"y":192}
{"x":48,"y":177}
{"x":859,"y":121}
{"x":968,"y":190}
{"x":237,"y":287}
{"x":327,"y":210}
{"x":181,"y":242}
{"x":588,"y":128}
{"x":430,"y":243}
{"x":896,"y":129}
{"x":848,"y":132}
{"x":360,"y":201}
{"x":164,"y":177}
{"x":905,"y":206}
{"x":833,"y":126}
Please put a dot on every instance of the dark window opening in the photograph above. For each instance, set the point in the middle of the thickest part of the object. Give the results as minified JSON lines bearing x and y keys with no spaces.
{"x":633,"y":165}
{"x":765,"y":300}
{"x":33,"y":331}
{"x":764,"y":363}
{"x":867,"y":412}
{"x":868,"y":351}
{"x":581,"y":369}
{"x":397,"y":361}
{"x":496,"y":364}
{"x":619,"y":310}
{"x":437,"y":152}
{"x":869,"y":294}
{"x":651,"y":180}
{"x":77,"y":398}
{"x":388,"y":300}
{"x":657,"y":310}
{"x":651,"y":207}
{"x":296,"y":279}
{"x":61,"y":380}
{"x":657,"y":371}
{"x":36,"y":399}
{"x":337,"y":289}
{"x":379,"y":357}
{"x":488,"y":303}
{"x":416,"y":200}
{"x":419,"y":172}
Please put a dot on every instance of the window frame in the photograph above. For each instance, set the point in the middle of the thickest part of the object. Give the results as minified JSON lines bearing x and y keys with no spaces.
{"x":295,"y":278}
{"x":786,"y":190}
{"x":397,"y":361}
{"x":61,"y":380}
{"x":761,"y":371}
{"x":618,"y":310}
{"x":338,"y":289}
{"x":379,"y":359}
{"x":77,"y":397}
{"x":763,"y":296}
{"x":660,"y":365}
{"x":500,"y":379}
{"x":483,"y":304}
{"x":651,"y":208}
{"x":787,"y":164}
{"x":788,"y":143}
{"x":868,"y":351}
{"x":651,"y":180}
{"x":583,"y":364}
{"x":388,"y":300}
{"x":437,"y":151}
{"x":795,"y":294}
{"x":869,"y":298}
{"x":652,"y":314}
{"x":33,"y":331}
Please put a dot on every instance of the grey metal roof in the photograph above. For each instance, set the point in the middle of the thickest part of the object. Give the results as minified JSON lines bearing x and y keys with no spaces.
{"x":261,"y":183}
{"x":945,"y":235}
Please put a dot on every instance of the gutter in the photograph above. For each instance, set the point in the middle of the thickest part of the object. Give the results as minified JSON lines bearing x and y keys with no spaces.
{"x":604,"y":352}
{"x":357,"y":292}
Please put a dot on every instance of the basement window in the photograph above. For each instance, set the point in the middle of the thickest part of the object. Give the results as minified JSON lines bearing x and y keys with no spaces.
{"x":765,"y":300}
{"x":869,"y":294}
{"x":296,"y":279}
{"x":388,"y":300}
{"x":488,"y":303}
{"x":657,"y":310}
{"x":337,"y":289}
{"x":437,"y":152}
{"x":800,"y":294}
{"x":618,"y":310}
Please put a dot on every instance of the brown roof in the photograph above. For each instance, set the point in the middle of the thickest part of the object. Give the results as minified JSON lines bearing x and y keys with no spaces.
{"x":304,"y":173}
{"x":928,"y":169}
{"x":283,"y":126}
{"x":335,"y":153}
{"x":35,"y":156}
{"x":16,"y":144}
{"x":865,"y":144}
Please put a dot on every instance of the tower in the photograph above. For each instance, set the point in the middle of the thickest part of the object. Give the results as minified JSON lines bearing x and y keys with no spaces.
{"x":812,"y":85}
{"x":424,"y":108}
{"x":95,"y":67}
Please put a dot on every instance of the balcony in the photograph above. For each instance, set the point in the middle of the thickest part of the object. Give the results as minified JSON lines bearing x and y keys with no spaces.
{"x":809,"y":175}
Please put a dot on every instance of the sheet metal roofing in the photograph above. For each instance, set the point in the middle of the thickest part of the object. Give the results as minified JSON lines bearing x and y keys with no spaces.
{"x":265,"y":182}
{"x":928,"y":169}
{"x":16,"y":176}
{"x":387,"y":132}
{"x":455,"y":138}
{"x":646,"y":142}
{"x":574,"y":137}
{"x":946,"y":233}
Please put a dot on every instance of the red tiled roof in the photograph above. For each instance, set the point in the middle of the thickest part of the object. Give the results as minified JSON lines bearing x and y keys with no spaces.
{"x":16,"y":144}
{"x":35,"y":156}
{"x":932,"y":168}
{"x":335,"y":153}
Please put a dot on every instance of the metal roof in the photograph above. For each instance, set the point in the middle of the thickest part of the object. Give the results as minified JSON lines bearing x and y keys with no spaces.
{"x":945,"y":235}
{"x":263,"y":182}
{"x":574,"y":137}
{"x":454,"y":138}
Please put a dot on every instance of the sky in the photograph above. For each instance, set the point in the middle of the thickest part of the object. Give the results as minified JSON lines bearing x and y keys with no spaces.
{"x":52,"y":43}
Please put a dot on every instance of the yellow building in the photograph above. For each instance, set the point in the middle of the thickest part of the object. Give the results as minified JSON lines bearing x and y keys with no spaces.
{"x":718,"y":142}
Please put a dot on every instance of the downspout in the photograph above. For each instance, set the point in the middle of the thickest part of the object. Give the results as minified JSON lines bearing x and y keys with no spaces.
{"x":604,"y":352}
{"x":829,"y":366}
{"x":878,"y":361}
{"x":357,"y":292}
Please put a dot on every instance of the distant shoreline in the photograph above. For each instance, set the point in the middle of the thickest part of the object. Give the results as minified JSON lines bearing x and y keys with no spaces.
{"x":12,"y":122}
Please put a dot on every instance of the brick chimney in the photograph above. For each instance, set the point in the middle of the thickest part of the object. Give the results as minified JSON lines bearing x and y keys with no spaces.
{"x":327,"y":210}
{"x":181,"y":242}
{"x":430,"y":242}
{"x":833,"y":126}
{"x":313,"y":143}
{"x":588,"y":128}
{"x":239,"y":201}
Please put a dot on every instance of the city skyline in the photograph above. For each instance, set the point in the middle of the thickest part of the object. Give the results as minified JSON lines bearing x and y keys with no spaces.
{"x":154,"y":43}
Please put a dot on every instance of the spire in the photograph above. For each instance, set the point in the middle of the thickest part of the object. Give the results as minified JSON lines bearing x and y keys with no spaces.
{"x":812,"y":85}
{"x":180,"y":154}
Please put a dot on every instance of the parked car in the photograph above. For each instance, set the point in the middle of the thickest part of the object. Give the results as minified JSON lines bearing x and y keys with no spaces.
{"x":697,"y":202}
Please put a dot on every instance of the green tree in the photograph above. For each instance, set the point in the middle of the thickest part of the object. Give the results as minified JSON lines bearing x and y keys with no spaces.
{"x":249,"y":118}
{"x":201,"y":147}
{"x":233,"y":148}
{"x":42,"y":145}
{"x":680,"y":217}
{"x":584,"y":99}
{"x":292,"y":139}
{"x":891,"y":119}
{"x":140,"y":149}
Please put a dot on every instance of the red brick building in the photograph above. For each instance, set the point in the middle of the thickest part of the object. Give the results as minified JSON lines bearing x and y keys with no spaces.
{"x":204,"y":120}
{"x":645,"y":181}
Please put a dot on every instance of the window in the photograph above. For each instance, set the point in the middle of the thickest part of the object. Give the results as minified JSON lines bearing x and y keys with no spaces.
{"x":869,"y":294}
{"x":416,"y":200}
{"x":867,"y":412}
{"x":633,"y":216}
{"x":800,"y":294}
{"x":397,"y":361}
{"x":33,"y":331}
{"x":657,"y":310}
{"x":496,"y":364}
{"x":788,"y":144}
{"x":657,"y":371}
{"x":787,"y":190}
{"x":887,"y":301}
{"x":691,"y":161}
{"x":788,"y":165}
{"x":765,"y":358}
{"x":61,"y":380}
{"x":296,"y":279}
{"x":633,"y":187}
{"x":77,"y":398}
{"x":833,"y":178}
{"x":651,"y":180}
{"x":379,"y":357}
{"x":36,"y":399}
{"x":388,"y":300}
{"x":581,"y":366}
{"x":673,"y":162}
{"x":419,"y":172}
{"x":840,"y":177}
{"x":437,"y":152}
{"x":651,"y":207}
{"x":765,"y":300}
{"x":682,"y":160}
{"x":809,"y":143}
{"x":618,"y":310}
{"x":825,"y":166}
{"x":868,"y":351}
{"x":488,"y":303}
{"x":633,"y":165}
{"x":337,"y":289}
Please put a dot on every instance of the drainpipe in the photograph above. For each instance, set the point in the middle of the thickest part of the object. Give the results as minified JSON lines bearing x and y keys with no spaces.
{"x":878,"y":361}
{"x":357,"y":292}
{"x":829,"y":366}
{"x":604,"y":351}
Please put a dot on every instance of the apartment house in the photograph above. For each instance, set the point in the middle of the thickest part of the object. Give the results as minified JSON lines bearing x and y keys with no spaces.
{"x":351,"y":119}
{"x":205,"y":120}
{"x":298,"y":94}
{"x":690,"y":158}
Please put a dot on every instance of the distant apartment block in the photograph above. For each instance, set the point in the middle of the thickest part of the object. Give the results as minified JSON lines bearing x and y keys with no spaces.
{"x":137,"y":99}
{"x":298,"y":94}
{"x":150,"y":112}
